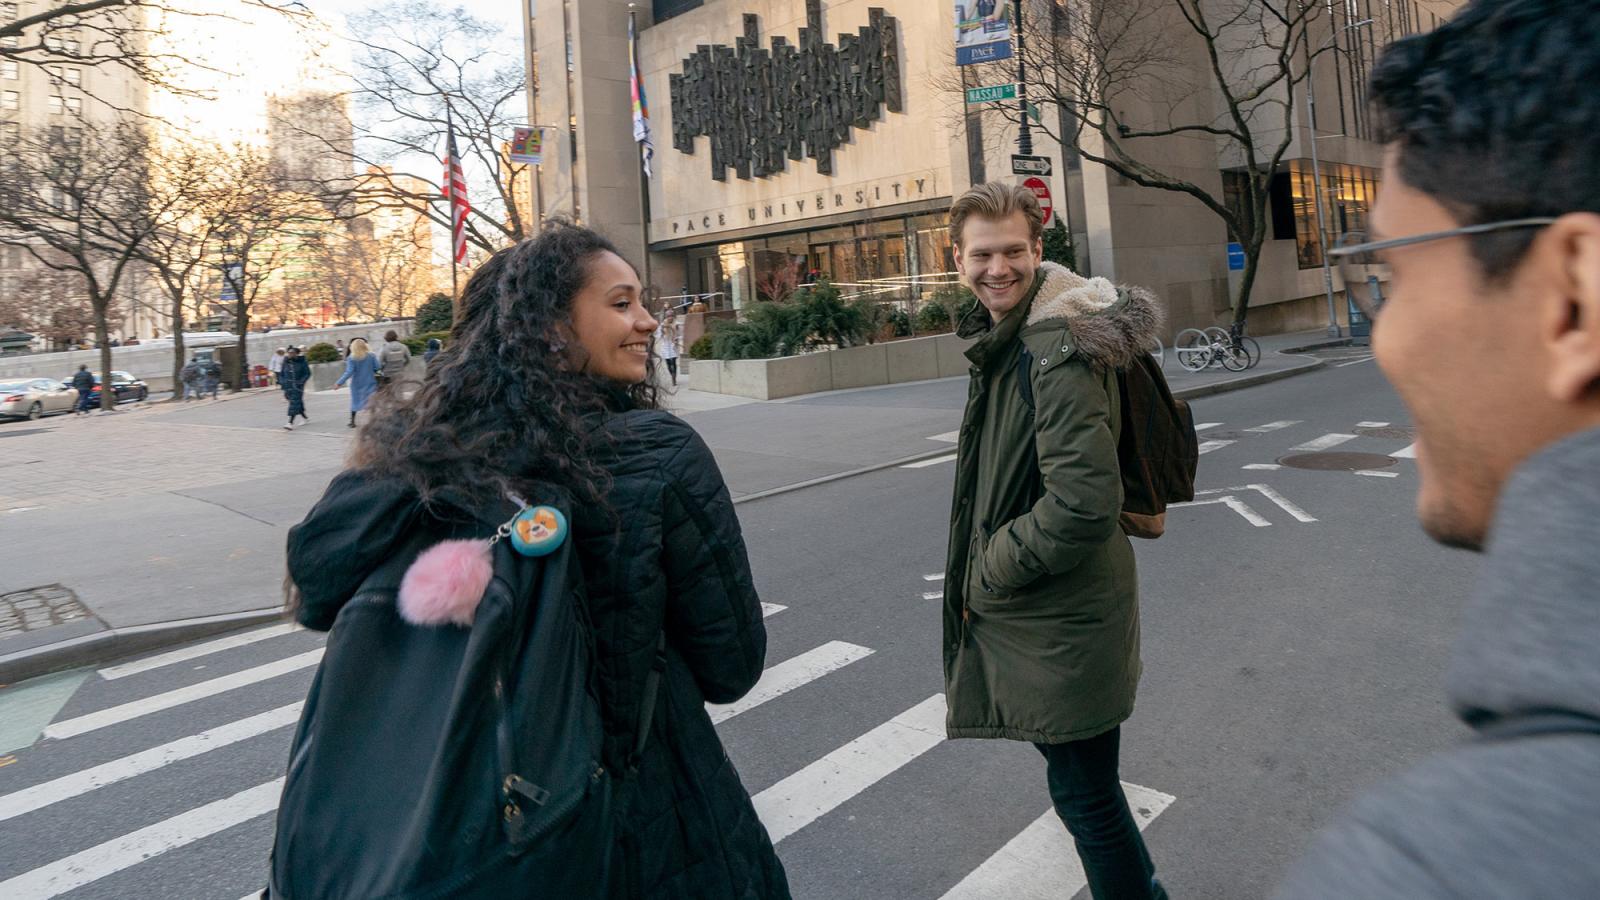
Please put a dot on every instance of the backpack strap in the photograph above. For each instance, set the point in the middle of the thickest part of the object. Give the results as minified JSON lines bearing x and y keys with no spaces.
{"x":1025,"y":376}
{"x":647,"y":703}
{"x":1538,"y":725}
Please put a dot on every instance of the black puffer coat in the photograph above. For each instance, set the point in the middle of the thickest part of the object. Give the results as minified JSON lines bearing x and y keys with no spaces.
{"x":677,"y":561}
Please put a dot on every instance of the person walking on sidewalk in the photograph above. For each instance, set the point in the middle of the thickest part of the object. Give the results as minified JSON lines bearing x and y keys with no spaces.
{"x":1041,"y":606}
{"x":548,"y":380}
{"x":189,"y":376}
{"x":392,"y":360}
{"x":1489,"y":226}
{"x":275,"y":364}
{"x":434,"y":346}
{"x":293,"y":377}
{"x":210,"y":377}
{"x":667,"y":340}
{"x":83,"y":381}
{"x":361,"y":372}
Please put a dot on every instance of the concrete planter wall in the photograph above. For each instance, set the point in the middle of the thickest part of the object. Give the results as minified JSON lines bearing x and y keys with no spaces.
{"x":896,"y":362}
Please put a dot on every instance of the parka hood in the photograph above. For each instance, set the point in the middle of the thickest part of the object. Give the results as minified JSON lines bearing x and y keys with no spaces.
{"x":361,"y":522}
{"x":1110,"y":324}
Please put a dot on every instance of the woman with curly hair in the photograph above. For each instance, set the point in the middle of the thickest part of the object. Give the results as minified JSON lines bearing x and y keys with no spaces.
{"x":547,"y":381}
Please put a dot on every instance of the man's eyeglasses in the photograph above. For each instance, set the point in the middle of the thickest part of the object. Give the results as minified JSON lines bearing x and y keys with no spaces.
{"x":1354,"y":255}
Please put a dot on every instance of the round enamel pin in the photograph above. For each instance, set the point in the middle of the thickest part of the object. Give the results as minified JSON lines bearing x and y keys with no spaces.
{"x":538,"y":530}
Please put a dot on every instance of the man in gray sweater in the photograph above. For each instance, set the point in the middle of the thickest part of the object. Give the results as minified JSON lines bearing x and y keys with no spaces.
{"x":1488,"y":225}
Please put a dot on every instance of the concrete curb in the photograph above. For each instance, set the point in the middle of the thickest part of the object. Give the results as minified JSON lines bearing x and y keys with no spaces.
{"x":105,"y":646}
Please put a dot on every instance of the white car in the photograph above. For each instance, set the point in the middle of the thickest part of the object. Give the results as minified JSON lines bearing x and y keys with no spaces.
{"x":36,"y":398}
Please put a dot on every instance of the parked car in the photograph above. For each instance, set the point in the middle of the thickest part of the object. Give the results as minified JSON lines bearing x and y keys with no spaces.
{"x":126,"y":386}
{"x":35,"y":398}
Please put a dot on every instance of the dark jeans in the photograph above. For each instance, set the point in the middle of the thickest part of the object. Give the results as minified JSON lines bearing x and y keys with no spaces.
{"x":672,"y":366}
{"x":1088,"y":797}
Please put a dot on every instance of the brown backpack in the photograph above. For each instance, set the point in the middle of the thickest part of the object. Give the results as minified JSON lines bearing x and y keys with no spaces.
{"x":1158,"y":451}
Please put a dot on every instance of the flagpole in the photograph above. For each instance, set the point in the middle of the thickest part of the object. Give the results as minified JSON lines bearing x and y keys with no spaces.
{"x":644,"y":175}
{"x":449,"y":145}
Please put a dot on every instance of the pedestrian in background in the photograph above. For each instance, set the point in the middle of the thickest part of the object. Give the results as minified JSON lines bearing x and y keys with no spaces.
{"x":392,"y":360}
{"x":189,"y":376}
{"x":275,"y":364}
{"x":361,"y":372}
{"x":1041,"y":605}
{"x":667,"y":340}
{"x":1489,"y":224}
{"x":560,"y":316}
{"x":293,"y":376}
{"x":339,"y":346}
{"x":211,"y":377}
{"x":83,"y":382}
{"x":434,"y":346}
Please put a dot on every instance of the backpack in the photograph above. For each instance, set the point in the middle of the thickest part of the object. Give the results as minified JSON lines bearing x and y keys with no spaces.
{"x":446,"y":761}
{"x":1158,"y":451}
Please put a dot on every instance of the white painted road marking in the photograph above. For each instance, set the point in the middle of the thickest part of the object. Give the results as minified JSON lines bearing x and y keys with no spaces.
{"x":1233,"y":503}
{"x":825,"y":785}
{"x":930,"y":462}
{"x":1354,"y":362}
{"x":936,"y":576}
{"x":790,"y":674}
{"x":116,"y":715}
{"x":1409,"y":452}
{"x":1325,"y":442}
{"x":1041,"y":863}
{"x":1204,"y":425}
{"x":1268,"y":493}
{"x":949,"y":437}
{"x":1208,"y":446}
{"x":933,"y":595}
{"x":771,"y":609}
{"x":1372,"y":474}
{"x":1372,"y":424}
{"x":1263,"y":467}
{"x":95,"y":863}
{"x":111,"y":673}
{"x":1273,"y":426}
{"x":67,"y":786}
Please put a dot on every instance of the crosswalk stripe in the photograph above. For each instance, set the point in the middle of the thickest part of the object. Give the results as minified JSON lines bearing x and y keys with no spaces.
{"x":790,"y":674}
{"x":1371,"y":474}
{"x":111,"y":673}
{"x":936,"y":576}
{"x":95,"y":863}
{"x":1208,"y":446}
{"x":1263,"y":467}
{"x":826,"y":784}
{"x":949,"y":437}
{"x":1372,"y":424}
{"x":1325,"y":442}
{"x":1273,"y":426}
{"x":116,"y":715}
{"x":930,"y":462}
{"x":771,"y":609}
{"x":67,"y":786}
{"x":1408,"y":452}
{"x":933,"y":595}
{"x":1204,"y":425}
{"x":1040,"y":863}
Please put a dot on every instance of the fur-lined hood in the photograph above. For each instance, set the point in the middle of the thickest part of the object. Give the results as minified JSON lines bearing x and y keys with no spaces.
{"x":1108,"y":324}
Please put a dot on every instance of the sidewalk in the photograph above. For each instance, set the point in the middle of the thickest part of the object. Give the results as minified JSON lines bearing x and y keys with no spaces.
{"x":129,"y":532}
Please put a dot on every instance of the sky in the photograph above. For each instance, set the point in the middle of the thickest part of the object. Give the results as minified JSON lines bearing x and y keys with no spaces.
{"x":506,"y":12}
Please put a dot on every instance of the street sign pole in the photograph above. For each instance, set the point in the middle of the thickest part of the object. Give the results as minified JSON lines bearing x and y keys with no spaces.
{"x":1024,"y":134}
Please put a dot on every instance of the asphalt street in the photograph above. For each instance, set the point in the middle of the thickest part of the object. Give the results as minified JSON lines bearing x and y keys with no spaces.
{"x":1295,"y":624}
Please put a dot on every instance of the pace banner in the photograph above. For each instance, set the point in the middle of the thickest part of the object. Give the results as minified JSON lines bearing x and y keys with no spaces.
{"x":983,"y":31}
{"x":527,"y":145}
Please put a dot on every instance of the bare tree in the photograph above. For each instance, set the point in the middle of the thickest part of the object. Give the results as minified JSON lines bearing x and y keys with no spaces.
{"x":85,"y":210}
{"x":1125,"y":79}
{"x":51,"y":305}
{"x":417,"y":67}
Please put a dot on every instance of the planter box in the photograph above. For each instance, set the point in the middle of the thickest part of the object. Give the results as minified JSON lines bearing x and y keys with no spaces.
{"x":895,"y":362}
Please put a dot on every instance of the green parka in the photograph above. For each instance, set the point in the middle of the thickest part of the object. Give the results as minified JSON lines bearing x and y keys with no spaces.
{"x":1041,"y":599}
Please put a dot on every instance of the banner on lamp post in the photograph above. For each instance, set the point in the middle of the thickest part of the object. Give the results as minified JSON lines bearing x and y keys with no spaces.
{"x":527,"y":145}
{"x":983,"y":31}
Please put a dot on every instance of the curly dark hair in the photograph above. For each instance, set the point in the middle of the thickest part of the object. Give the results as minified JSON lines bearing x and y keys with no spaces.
{"x":1496,"y":116}
{"x":506,"y":404}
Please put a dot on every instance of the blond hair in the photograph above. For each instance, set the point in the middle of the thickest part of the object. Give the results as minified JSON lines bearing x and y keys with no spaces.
{"x":996,"y":200}
{"x":358,"y":348}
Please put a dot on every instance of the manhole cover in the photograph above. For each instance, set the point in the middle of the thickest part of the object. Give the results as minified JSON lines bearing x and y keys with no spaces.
{"x":1399,"y":434}
{"x":1337,"y":462}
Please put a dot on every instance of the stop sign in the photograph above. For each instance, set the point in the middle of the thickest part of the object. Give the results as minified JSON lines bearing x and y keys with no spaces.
{"x":1042,"y":191}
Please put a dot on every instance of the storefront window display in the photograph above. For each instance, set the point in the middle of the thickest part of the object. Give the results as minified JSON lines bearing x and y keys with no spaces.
{"x":1348,"y":193}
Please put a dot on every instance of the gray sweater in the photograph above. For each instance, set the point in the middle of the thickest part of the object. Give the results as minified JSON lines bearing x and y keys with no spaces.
{"x":1515,"y":817}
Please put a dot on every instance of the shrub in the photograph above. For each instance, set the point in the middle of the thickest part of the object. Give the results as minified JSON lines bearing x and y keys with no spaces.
{"x":437,"y":313}
{"x":933,"y":317}
{"x":826,"y":319}
{"x":1058,"y":246}
{"x":874,"y":318}
{"x":701,"y":348}
{"x":323,"y":352}
{"x":900,"y":322}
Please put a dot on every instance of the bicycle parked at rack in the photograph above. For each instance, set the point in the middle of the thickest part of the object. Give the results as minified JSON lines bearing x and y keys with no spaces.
{"x":1200,"y":349}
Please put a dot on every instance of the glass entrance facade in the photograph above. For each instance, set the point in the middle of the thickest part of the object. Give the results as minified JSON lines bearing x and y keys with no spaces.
{"x":902,"y":258}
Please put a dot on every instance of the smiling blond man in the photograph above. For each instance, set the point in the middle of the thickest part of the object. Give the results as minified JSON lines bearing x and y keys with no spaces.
{"x":1041,"y":609}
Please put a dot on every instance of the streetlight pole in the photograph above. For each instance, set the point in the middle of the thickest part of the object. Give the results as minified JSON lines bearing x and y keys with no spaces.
{"x":1316,"y":173}
{"x":1024,"y":135}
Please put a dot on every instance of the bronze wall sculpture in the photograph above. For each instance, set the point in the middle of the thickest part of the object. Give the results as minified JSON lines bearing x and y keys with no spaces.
{"x":763,"y":107}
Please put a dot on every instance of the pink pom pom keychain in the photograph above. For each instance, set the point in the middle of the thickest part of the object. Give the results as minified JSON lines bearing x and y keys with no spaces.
{"x":446,"y":582}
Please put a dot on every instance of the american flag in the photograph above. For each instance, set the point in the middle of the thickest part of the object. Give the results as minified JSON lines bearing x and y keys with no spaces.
{"x":455,"y":190}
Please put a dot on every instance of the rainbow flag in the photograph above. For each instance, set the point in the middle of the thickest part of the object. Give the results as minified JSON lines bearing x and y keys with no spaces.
{"x":641,"y":107}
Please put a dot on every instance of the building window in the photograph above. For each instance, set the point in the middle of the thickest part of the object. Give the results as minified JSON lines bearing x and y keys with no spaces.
{"x":66,"y":75}
{"x":10,"y":133}
{"x":10,"y":100}
{"x":8,"y":70}
{"x":9,"y":42}
{"x":74,"y":106}
{"x":8,"y":12}
{"x":666,"y":9}
{"x":54,"y":104}
{"x":69,"y":45}
{"x":1348,"y":193}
